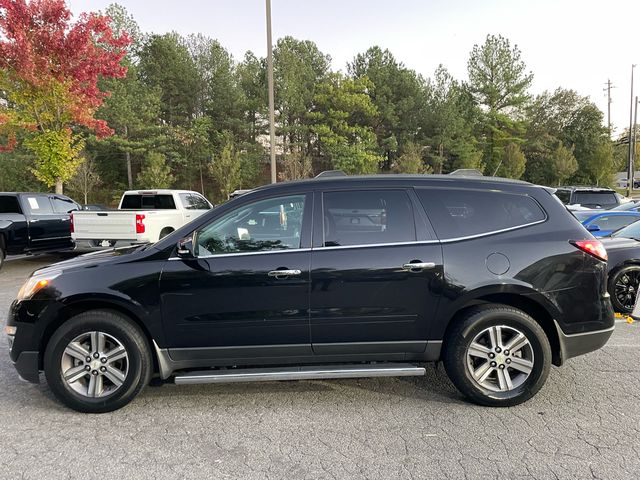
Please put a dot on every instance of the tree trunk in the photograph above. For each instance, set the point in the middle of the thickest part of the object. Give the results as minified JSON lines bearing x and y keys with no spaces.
{"x":128,"y":158}
{"x":59,"y":186}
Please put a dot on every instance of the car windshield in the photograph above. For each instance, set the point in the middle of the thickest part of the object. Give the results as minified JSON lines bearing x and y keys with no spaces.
{"x":630,"y":231}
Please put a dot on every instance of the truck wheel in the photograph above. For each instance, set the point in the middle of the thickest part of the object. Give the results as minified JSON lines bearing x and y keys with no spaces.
{"x":165,"y":231}
{"x":497,"y":356}
{"x":97,"y":362}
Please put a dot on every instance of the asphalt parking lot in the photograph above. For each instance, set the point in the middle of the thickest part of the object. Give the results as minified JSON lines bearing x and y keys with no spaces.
{"x":585,"y":423}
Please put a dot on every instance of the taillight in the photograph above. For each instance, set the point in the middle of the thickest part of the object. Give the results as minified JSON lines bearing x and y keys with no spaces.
{"x":592,"y":247}
{"x":71,"y":222}
{"x":139,"y":223}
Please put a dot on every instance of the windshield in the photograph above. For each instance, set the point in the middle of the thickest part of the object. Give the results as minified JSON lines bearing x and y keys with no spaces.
{"x":630,"y":231}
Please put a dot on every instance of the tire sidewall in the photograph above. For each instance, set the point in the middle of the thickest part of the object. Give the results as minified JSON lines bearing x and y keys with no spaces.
{"x":476,"y":323}
{"x":138,"y":365}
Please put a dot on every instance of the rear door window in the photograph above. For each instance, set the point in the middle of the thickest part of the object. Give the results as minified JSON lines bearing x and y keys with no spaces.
{"x":458,"y":213}
{"x":9,"y":204}
{"x":367,"y":217}
{"x":613,"y":222}
{"x":63,"y":205}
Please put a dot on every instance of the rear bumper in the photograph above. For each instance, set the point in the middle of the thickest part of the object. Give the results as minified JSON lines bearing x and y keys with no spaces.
{"x":91,"y":245}
{"x":580,"y":343}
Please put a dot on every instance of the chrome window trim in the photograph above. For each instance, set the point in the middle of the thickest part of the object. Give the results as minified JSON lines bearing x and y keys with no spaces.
{"x":494,"y":232}
{"x":240,"y":254}
{"x":369,"y":245}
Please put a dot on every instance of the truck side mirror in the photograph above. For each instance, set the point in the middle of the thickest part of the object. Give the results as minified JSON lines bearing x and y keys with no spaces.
{"x":185,"y":248}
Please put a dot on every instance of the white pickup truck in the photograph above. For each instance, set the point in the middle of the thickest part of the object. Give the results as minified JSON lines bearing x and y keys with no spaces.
{"x":143,"y":216}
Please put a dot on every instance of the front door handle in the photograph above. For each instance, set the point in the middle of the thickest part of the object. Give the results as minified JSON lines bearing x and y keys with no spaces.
{"x":284,"y":273}
{"x":417,"y":266}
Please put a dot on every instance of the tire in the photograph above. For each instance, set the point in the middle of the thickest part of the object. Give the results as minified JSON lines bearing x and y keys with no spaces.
{"x":93,"y":391}
{"x":165,"y":232}
{"x":475,"y":328}
{"x":623,"y":288}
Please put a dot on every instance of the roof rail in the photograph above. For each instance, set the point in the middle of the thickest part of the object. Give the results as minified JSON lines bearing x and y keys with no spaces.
{"x":331,"y":173}
{"x":467,"y":172}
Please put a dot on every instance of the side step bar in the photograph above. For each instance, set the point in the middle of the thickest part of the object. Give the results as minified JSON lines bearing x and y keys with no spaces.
{"x":299,"y":373}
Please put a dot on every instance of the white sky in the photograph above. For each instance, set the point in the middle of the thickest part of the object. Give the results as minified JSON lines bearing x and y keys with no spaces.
{"x":565,"y":43}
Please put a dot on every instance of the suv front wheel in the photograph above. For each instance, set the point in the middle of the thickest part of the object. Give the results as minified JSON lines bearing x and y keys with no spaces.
{"x":97,"y":361}
{"x":497,"y":356}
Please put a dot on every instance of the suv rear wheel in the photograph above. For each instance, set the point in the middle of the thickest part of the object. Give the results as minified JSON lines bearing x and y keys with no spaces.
{"x":97,"y":361}
{"x":497,"y":356}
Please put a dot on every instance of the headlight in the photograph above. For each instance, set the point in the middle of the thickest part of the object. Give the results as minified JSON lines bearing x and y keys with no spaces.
{"x":35,"y":283}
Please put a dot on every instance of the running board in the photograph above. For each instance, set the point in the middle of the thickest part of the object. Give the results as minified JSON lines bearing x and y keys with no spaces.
{"x":299,"y":373}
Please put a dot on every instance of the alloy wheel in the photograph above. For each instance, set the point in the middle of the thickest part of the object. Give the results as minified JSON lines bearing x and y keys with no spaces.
{"x":626,"y":288}
{"x":500,"y":358}
{"x":94,"y":364}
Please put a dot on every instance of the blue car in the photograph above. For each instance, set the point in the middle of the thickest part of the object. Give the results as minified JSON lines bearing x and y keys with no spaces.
{"x":605,"y":223}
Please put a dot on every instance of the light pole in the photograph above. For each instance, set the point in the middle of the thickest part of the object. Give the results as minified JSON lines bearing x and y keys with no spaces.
{"x":630,"y":166}
{"x":272,"y":127}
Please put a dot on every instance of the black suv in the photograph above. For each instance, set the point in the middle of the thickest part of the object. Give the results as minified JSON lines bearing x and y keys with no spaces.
{"x":327,"y":278}
{"x":590,"y":197}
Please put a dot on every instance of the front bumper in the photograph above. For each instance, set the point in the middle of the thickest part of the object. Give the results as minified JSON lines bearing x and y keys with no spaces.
{"x":27,"y":366}
{"x":577,"y":344}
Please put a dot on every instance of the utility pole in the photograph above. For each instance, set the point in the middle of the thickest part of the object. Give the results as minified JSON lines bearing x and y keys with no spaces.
{"x":608,"y":90}
{"x":633,"y":134}
{"x":630,"y":166}
{"x":272,"y":127}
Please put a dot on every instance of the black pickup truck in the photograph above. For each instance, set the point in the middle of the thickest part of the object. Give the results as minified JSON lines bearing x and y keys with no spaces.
{"x":34,"y":222}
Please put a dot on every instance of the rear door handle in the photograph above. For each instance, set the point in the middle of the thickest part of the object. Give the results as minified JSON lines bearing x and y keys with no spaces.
{"x":417,"y":266}
{"x":284,"y":273}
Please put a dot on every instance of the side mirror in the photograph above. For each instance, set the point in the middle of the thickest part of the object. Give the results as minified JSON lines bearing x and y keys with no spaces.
{"x":185,"y":248}
{"x":593,"y":228}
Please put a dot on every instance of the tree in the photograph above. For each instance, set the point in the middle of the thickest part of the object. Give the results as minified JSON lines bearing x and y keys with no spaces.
{"x":564,"y":164}
{"x":341,"y":119}
{"x":498,"y":81}
{"x":299,"y":68}
{"x":251,"y":74}
{"x":155,"y":173}
{"x":167,"y":65}
{"x":513,"y":162}
{"x":411,"y":161}
{"x":397,"y":93}
{"x":448,"y":124}
{"x":86,"y":179}
{"x":49,"y":71}
{"x":225,"y":166}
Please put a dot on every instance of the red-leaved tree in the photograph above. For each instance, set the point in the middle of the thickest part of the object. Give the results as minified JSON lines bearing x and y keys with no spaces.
{"x":49,"y":72}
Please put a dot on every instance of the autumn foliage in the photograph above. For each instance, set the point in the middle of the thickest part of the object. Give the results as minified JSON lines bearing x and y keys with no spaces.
{"x":50,"y":67}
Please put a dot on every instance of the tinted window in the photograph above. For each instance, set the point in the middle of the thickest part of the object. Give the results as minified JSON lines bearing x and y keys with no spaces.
{"x":38,"y":204}
{"x":367,"y":217}
{"x":563,"y":195}
{"x":613,"y":222}
{"x":63,"y":205}
{"x":594,"y":199}
{"x":9,"y":204}
{"x":461,"y":213}
{"x":148,"y":202}
{"x":199,"y":202}
{"x":273,"y":224}
{"x":191,"y":201}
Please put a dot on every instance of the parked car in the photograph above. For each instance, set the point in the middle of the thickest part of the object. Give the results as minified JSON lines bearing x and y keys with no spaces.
{"x":143,"y":216}
{"x":589,"y":197}
{"x":623,"y":247}
{"x":631,"y":206}
{"x":34,"y":222}
{"x":335,"y":277}
{"x":603,"y":224}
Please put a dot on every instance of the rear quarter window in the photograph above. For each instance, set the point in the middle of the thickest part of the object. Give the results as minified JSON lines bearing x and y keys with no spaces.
{"x":457,"y":213}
